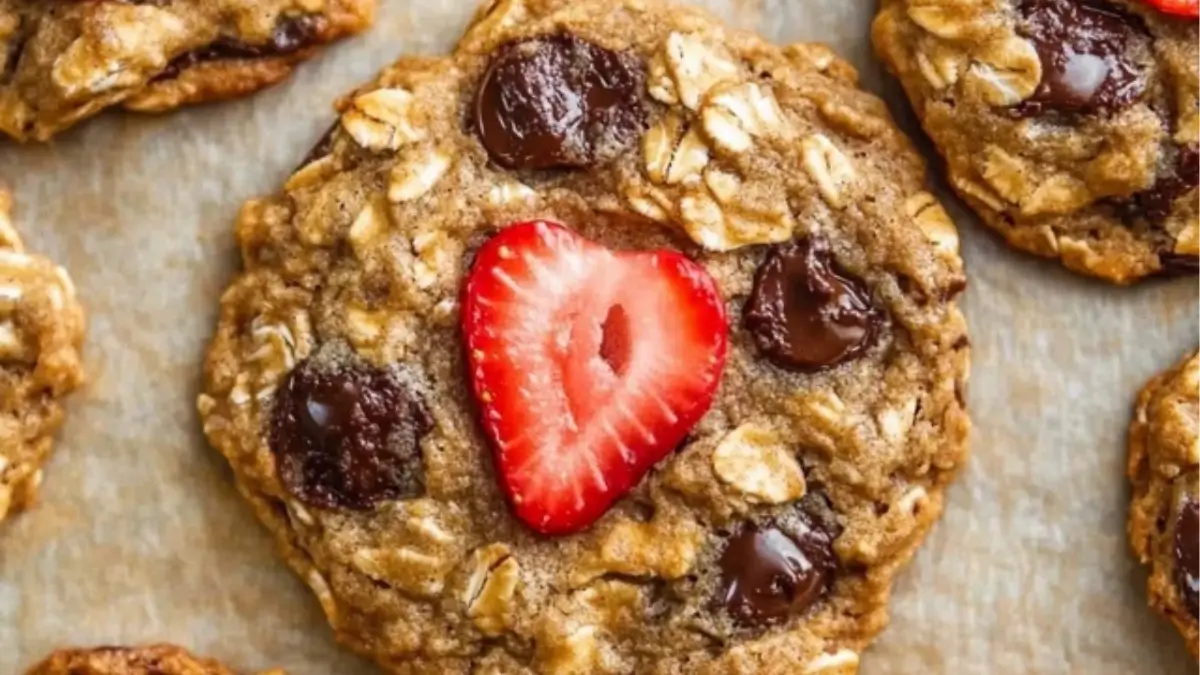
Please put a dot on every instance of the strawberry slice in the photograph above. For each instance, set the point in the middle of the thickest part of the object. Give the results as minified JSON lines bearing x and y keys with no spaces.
{"x":588,"y":365}
{"x":1185,"y":8}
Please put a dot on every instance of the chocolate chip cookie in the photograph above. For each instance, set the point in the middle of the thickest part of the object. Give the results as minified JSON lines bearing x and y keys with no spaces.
{"x":62,"y":61}
{"x":41,"y":331}
{"x":1070,"y":126}
{"x":615,"y":341}
{"x":148,"y":660}
{"x":1164,"y":519}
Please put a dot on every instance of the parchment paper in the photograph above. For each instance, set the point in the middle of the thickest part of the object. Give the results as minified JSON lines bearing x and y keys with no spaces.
{"x":140,"y":535}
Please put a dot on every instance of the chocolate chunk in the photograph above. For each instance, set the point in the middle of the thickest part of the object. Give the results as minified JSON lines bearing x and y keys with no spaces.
{"x":348,"y":438}
{"x":805,"y":313}
{"x":291,"y":35}
{"x":1086,"y":51}
{"x":323,"y":147}
{"x":771,"y":573}
{"x":559,"y":101}
{"x":1178,"y":264}
{"x":1156,"y":203}
{"x":1187,"y":555}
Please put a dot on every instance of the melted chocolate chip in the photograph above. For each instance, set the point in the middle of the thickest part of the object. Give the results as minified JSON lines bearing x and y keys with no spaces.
{"x":771,"y":573}
{"x":559,"y":101}
{"x":1085,"y":47}
{"x":1187,"y":555}
{"x":348,"y":439}
{"x":805,"y":313}
{"x":1178,"y":264}
{"x":291,"y":35}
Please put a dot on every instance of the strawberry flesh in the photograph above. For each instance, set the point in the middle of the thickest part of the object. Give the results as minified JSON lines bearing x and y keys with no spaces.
{"x":589,"y":366}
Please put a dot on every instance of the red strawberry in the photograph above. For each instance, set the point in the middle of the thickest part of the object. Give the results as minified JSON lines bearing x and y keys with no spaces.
{"x":1186,"y":8}
{"x":589,"y":366}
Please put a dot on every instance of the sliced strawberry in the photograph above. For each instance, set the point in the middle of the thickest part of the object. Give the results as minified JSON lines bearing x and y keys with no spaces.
{"x":1188,"y":8}
{"x":588,"y":365}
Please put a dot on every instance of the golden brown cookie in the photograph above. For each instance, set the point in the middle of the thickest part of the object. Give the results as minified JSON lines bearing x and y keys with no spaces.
{"x":41,"y":331}
{"x":159,"y":659}
{"x":1164,"y":519}
{"x":65,"y":61}
{"x":1070,"y":126}
{"x":615,"y":342}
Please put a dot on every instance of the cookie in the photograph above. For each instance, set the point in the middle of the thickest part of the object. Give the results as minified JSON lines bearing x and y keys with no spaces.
{"x":149,"y":660}
{"x":65,"y":61}
{"x":1070,"y":126}
{"x":1164,"y":518}
{"x":41,"y":332}
{"x":614,"y":342}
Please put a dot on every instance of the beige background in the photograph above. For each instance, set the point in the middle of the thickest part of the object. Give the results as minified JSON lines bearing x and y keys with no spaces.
{"x":141,"y":537}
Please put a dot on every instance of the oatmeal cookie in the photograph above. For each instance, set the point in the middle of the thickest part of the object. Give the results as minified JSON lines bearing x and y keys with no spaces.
{"x":64,"y":61}
{"x":1164,"y":519}
{"x":1070,"y":126}
{"x":614,"y":342}
{"x":41,"y":331}
{"x":149,"y":660}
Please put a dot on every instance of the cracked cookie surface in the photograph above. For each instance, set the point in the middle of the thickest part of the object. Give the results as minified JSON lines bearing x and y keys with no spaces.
{"x":680,"y":159}
{"x":1070,"y":126}
{"x":159,"y":659}
{"x":64,"y":61}
{"x":1164,"y":518}
{"x":41,"y":331}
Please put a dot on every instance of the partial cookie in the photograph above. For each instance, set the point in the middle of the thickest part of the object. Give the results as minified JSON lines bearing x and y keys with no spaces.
{"x":148,"y":660}
{"x":65,"y":61}
{"x":41,"y":331}
{"x":1164,"y":519}
{"x":1070,"y":126}
{"x":615,"y":342}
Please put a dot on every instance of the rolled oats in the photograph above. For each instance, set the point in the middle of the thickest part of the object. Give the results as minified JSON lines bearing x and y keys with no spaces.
{"x":311,"y":174}
{"x":507,"y":192}
{"x":941,"y":67}
{"x":695,"y":67}
{"x":1004,"y":72}
{"x":642,"y":550}
{"x":416,"y":175}
{"x":841,"y":662}
{"x":756,"y":461}
{"x":932,"y":219}
{"x":1187,"y":242}
{"x":491,"y":587}
{"x":735,"y":114}
{"x":895,"y":423}
{"x":674,"y":154}
{"x":829,"y":168}
{"x":383,"y":119}
{"x":574,"y":650}
{"x":720,"y":228}
{"x":368,"y":228}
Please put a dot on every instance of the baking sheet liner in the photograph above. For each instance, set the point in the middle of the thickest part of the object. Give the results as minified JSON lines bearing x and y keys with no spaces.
{"x":140,"y":535}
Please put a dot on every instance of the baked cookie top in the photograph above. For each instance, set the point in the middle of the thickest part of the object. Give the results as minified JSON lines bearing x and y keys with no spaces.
{"x":41,"y":331}
{"x":149,"y":660}
{"x":1164,"y":519}
{"x":65,"y":61}
{"x":1069,"y":125}
{"x":614,"y":342}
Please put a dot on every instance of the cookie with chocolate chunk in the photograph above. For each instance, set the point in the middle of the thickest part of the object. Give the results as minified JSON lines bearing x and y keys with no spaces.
{"x":62,"y":61}
{"x":41,"y":331}
{"x":614,"y":342}
{"x":1070,"y":126}
{"x":1164,"y":519}
{"x":159,"y":659}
